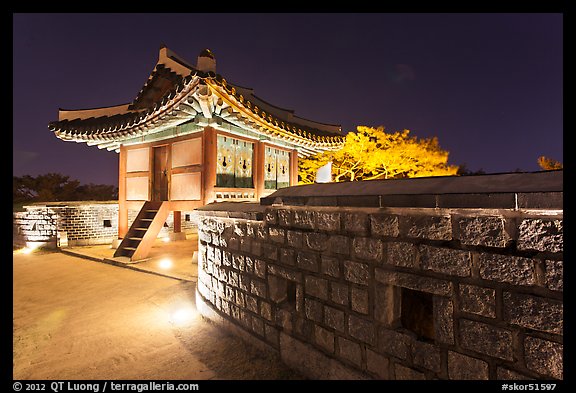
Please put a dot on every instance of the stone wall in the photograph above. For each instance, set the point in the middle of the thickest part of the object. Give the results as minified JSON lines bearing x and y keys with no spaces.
{"x":390,"y":292}
{"x":85,"y":223}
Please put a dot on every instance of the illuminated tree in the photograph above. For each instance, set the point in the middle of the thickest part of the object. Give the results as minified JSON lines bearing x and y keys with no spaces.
{"x":370,"y":153}
{"x":548,"y":164}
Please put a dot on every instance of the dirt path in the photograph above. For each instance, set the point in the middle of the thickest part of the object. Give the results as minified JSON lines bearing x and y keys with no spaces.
{"x":78,"y":319}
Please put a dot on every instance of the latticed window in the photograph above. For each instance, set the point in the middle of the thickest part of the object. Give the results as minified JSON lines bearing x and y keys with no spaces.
{"x":276,"y":168}
{"x":234,"y":166}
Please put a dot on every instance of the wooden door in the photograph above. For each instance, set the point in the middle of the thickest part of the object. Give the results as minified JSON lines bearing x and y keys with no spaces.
{"x":160,"y":181}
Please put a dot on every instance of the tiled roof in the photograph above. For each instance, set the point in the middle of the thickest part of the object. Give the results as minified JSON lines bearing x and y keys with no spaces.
{"x":170,"y":97}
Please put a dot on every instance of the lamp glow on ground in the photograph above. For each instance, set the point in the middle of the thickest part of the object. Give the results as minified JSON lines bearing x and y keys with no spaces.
{"x":30,"y":247}
{"x":165,"y":263}
{"x":183,"y":314}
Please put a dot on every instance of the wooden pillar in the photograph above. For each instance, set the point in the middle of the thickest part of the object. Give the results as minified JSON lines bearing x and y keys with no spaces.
{"x":209,"y":164}
{"x":258,"y":169}
{"x":294,"y":167}
{"x":122,"y":210}
{"x":177,"y":221}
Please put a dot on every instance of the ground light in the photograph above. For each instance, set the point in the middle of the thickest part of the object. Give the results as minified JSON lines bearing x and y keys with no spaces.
{"x":166,"y":239}
{"x":30,"y":247}
{"x":182,"y":314}
{"x":165,"y":263}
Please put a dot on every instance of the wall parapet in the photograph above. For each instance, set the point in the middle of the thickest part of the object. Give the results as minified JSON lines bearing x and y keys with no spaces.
{"x":393,"y":292}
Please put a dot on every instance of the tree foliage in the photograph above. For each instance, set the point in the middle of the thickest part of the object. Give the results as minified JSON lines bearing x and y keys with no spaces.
{"x":371,"y":153}
{"x":548,"y":164}
{"x":53,"y":187}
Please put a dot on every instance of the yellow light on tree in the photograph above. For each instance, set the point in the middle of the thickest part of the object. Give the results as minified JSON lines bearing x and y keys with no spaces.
{"x":370,"y":154}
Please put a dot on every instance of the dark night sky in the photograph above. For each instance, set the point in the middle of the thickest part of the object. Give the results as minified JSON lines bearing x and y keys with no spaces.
{"x":489,"y":86}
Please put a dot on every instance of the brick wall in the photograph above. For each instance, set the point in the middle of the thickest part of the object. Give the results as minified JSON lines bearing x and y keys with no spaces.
{"x":390,"y":293}
{"x":85,"y":223}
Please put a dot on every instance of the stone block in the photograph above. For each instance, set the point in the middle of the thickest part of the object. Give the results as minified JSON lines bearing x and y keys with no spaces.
{"x":285,"y":217}
{"x":339,"y":244}
{"x":313,"y":310}
{"x":294,"y":238}
{"x":316,"y":287}
{"x":509,"y":269}
{"x":266,"y":310}
{"x":358,"y":273}
{"x":462,"y":367}
{"x":284,"y":319}
{"x":541,"y":235}
{"x":394,"y":343}
{"x":367,"y":248}
{"x":339,"y":293}
{"x":272,"y":335}
{"x":287,"y":256}
{"x":426,"y":227}
{"x":359,"y":300}
{"x":362,"y":329}
{"x":249,"y":265}
{"x":487,"y":231}
{"x":377,"y":364}
{"x":427,"y":356}
{"x":316,"y":241}
{"x":288,"y":274}
{"x":446,"y":261}
{"x":324,"y":338}
{"x":258,"y":326}
{"x":238,"y":262}
{"x":487,"y":339}
{"x":313,"y":363}
{"x":544,"y":357}
{"x":307,"y":260}
{"x":252,"y":304}
{"x":356,"y":223}
{"x":270,"y":217}
{"x":258,"y":288}
{"x":260,"y":268}
{"x":257,"y":248}
{"x":387,"y":305}
{"x":329,"y":266}
{"x":276,"y":235}
{"x":401,"y":254}
{"x":510,"y":375}
{"x":404,"y":373}
{"x":328,"y":221}
{"x":555,"y":275}
{"x":382,"y":224}
{"x":240,"y":299}
{"x":303,"y":219}
{"x":350,"y":351}
{"x":534,"y":312}
{"x":478,"y":300}
{"x":334,"y":318}
{"x":277,"y":288}
{"x":415,"y":282}
{"x":269,"y":251}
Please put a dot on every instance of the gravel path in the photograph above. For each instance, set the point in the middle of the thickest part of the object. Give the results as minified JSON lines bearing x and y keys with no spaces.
{"x":79,"y":319}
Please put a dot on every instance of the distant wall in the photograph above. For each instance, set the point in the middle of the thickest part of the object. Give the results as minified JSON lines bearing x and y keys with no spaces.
{"x":85,"y":223}
{"x":392,"y":292}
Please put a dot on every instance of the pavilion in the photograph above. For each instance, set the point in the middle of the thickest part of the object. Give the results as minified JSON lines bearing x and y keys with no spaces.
{"x":189,"y":138}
